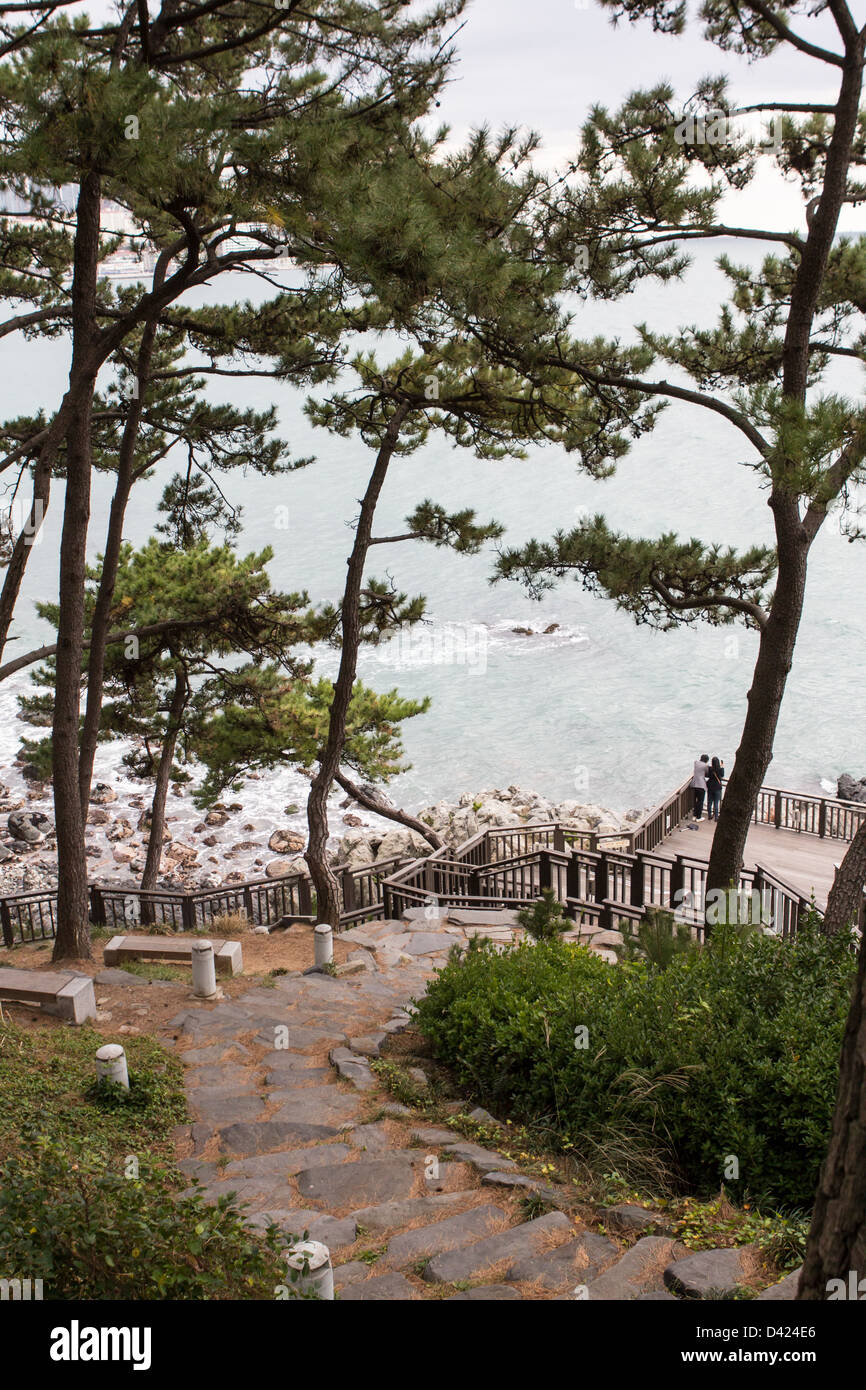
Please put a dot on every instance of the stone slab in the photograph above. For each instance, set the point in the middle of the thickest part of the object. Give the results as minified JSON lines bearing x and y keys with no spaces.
{"x":506,"y":1248}
{"x":316,"y":1105}
{"x":390,"y":1288}
{"x":285,"y":1163}
{"x":486,"y":1293}
{"x":451,"y":1233}
{"x":785,"y":1290}
{"x":364,"y":1183}
{"x":228,"y":955}
{"x":709,"y":1273}
{"x":264,"y":1136}
{"x":389,"y":1215}
{"x":639,"y":1270}
{"x":577,"y":1262}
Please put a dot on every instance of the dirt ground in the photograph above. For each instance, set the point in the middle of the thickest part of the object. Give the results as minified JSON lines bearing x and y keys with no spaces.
{"x":129,"y":1010}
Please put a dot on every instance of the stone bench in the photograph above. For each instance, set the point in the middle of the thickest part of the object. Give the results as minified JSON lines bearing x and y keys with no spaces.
{"x":228,"y":956}
{"x":67,"y":996}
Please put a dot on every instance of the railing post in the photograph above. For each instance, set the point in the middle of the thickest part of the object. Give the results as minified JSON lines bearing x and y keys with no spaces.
{"x":187,"y":912}
{"x":6,"y":920}
{"x":558,"y":839}
{"x":822,"y":818}
{"x":248,"y":904}
{"x":348,"y":887}
{"x":637,"y":882}
{"x":545,"y":876}
{"x":305,"y":899}
{"x":678,"y":880}
{"x":777,"y":814}
{"x":97,"y":907}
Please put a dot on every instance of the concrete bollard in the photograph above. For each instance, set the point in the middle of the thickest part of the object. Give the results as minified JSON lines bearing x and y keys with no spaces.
{"x":111,"y":1065}
{"x":203,"y":970}
{"x":319,"y":1278}
{"x":324,"y":947}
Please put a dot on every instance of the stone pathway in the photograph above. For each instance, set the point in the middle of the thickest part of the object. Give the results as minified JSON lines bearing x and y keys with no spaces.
{"x":288,"y":1115}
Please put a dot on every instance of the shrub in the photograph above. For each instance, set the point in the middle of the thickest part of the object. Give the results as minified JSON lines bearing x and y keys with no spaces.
{"x":544,"y":920}
{"x":658,"y":938}
{"x":729,"y":1053}
{"x":90,"y":1232}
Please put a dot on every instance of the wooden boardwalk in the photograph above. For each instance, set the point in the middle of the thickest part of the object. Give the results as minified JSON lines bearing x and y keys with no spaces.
{"x":804,"y":862}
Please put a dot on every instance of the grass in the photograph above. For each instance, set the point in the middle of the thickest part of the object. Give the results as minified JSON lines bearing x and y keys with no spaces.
{"x":154,"y":970}
{"x":47,"y":1078}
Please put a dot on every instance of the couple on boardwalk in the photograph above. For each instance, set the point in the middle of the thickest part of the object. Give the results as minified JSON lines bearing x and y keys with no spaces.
{"x":707,"y":780}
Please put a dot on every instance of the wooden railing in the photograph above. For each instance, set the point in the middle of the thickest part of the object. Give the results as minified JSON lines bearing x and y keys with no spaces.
{"x":28,"y":917}
{"x":599,"y":879}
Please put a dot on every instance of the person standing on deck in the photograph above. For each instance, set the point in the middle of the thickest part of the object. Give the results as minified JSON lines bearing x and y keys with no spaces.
{"x":699,"y":783}
{"x":715,"y":778}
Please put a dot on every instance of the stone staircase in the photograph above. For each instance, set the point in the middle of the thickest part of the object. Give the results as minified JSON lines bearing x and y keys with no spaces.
{"x":289,"y":1115}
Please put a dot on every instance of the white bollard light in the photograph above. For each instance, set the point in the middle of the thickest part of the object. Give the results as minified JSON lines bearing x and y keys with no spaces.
{"x":324,"y":947}
{"x":203,"y":970}
{"x":111,"y":1065}
{"x":319,"y":1278}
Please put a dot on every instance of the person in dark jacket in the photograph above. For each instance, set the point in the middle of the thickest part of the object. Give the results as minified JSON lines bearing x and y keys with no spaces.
{"x":715,"y":778}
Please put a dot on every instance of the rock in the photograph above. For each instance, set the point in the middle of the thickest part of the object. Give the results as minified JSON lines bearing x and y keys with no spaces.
{"x":577,"y":1262}
{"x":352,"y":820}
{"x":96,"y":816}
{"x":505,"y":1248}
{"x":848,"y":788}
{"x":124,"y":854}
{"x":29,"y":826}
{"x":483,"y":1159}
{"x":263,"y":1136}
{"x":628,"y":1217}
{"x":181,"y":855}
{"x":102,"y":794}
{"x":783,"y":1291}
{"x":354,"y":1067}
{"x":356,"y":1184}
{"x":388,"y":1215}
{"x":216,"y":817}
{"x":709,"y":1273}
{"x":210,"y":841}
{"x":488,"y":1293}
{"x":278,"y":868}
{"x":452,"y":1233}
{"x":390,"y":1288}
{"x":120,"y":830}
{"x":285,"y":841}
{"x":638,"y":1271}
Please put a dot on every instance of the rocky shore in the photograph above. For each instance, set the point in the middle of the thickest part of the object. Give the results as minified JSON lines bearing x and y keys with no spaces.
{"x":228,"y":845}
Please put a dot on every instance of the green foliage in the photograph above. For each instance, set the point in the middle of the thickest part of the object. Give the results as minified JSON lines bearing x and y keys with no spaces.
{"x":730,"y":1051}
{"x":716,"y":1223}
{"x":659,"y":937}
{"x":91,"y":1232}
{"x":545,"y":919}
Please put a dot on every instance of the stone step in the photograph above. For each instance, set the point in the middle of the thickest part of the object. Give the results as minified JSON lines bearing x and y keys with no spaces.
{"x":390,"y":1288}
{"x":452,"y":1233}
{"x":577,"y":1262}
{"x":640,"y":1270}
{"x":506,"y":1248}
{"x":391,"y":1215}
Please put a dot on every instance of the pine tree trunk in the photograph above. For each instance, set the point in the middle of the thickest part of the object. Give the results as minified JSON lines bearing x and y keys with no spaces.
{"x":846,"y":895}
{"x":101,"y":616}
{"x":73,"y":905}
{"x":329,"y":902}
{"x":837,"y":1238}
{"x":163,"y":775}
{"x":775,"y":655}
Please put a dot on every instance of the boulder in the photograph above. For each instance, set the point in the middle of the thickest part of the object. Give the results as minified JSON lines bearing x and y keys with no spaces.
{"x":848,"y":788}
{"x":710,"y":1273}
{"x":29,"y":826}
{"x":283,"y":841}
{"x":102,"y":793}
{"x":278,"y":868}
{"x":216,"y":817}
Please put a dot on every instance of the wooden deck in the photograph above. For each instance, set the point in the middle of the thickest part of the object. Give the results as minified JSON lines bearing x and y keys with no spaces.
{"x":804,"y":862}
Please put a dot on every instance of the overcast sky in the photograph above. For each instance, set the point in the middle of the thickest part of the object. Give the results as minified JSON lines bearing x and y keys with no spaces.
{"x":543,"y":63}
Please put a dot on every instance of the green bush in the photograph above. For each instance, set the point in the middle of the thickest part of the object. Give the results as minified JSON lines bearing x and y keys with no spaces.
{"x":544,"y":920}
{"x":728,"y":1053}
{"x":91,"y":1232}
